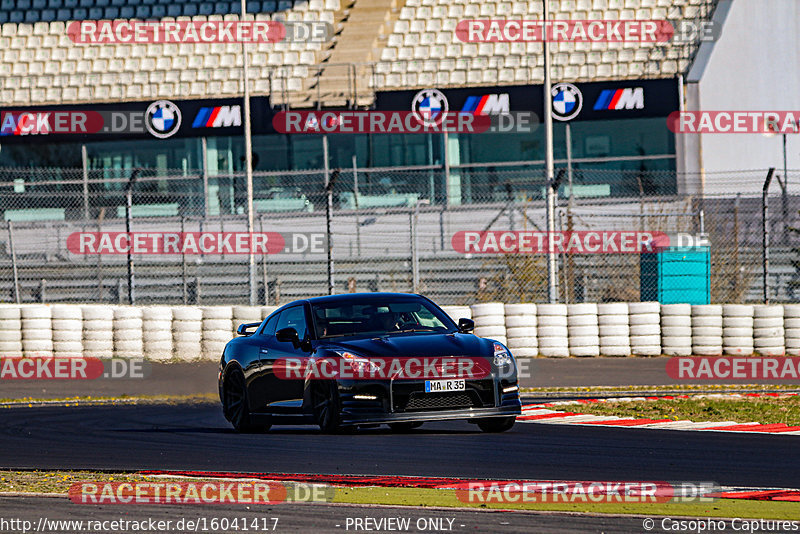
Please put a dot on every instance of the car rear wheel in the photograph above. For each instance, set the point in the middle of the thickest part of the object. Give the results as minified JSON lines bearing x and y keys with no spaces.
{"x":496,"y":424}
{"x":327,"y":407}
{"x":235,"y":405}
{"x":404,"y":427}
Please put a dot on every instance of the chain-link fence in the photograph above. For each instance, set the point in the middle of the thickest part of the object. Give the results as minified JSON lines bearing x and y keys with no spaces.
{"x":390,"y":230}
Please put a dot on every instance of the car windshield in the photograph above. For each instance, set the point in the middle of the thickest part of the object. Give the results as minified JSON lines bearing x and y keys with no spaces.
{"x":379,"y":318}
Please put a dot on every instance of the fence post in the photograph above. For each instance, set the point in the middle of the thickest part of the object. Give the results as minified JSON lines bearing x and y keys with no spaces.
{"x":13,"y":261}
{"x":128,"y":215}
{"x":183,"y":263}
{"x":85,"y":165}
{"x":765,"y":223}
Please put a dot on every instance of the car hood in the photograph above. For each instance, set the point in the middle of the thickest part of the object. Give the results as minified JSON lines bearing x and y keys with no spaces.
{"x":412,"y":345}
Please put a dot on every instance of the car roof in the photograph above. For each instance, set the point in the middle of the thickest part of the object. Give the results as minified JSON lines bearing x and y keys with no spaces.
{"x":357,"y":297}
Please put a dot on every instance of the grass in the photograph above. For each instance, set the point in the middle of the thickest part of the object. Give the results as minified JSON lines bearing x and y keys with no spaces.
{"x":121,"y":399}
{"x":58,"y":482}
{"x":765,"y":410}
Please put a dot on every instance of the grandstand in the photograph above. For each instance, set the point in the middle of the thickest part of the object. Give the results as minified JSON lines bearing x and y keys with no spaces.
{"x":379,"y":44}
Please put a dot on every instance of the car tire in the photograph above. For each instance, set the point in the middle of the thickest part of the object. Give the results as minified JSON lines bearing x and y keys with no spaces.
{"x":327,"y":407}
{"x":496,"y":424}
{"x":235,"y":405}
{"x":404,"y":427}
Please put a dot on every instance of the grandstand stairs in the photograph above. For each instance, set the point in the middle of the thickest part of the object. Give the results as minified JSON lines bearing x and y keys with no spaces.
{"x":343,"y":76}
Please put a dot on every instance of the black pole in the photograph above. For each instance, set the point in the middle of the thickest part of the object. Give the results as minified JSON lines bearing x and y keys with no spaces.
{"x":328,"y":214}
{"x":765,"y":223}
{"x":128,"y":209}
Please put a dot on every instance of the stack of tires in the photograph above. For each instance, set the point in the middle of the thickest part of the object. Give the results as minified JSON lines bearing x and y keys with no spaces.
{"x":128,"y":340}
{"x":676,"y":329}
{"x":707,"y":329}
{"x":266,"y":311}
{"x":612,"y":321}
{"x":552,"y":330}
{"x":583,"y":329}
{"x":10,"y":331}
{"x":37,"y":331}
{"x":98,"y":331}
{"x":737,"y":329}
{"x":768,"y":333}
{"x":187,"y":332}
{"x":245,"y":315}
{"x":458,"y":312}
{"x":490,"y":320}
{"x":67,"y":331}
{"x":217,"y":330}
{"x":791,"y":329}
{"x":644,"y":319}
{"x":157,"y":332}
{"x":521,"y":329}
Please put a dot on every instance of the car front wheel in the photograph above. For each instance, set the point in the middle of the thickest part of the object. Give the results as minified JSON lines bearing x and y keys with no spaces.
{"x":496,"y":424}
{"x":327,"y":407}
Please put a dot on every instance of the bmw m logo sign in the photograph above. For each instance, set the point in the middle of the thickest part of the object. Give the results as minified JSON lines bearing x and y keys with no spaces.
{"x":218,"y":117}
{"x":615,"y":99}
{"x":492,"y":104}
{"x":567,"y":101}
{"x":162,"y":119}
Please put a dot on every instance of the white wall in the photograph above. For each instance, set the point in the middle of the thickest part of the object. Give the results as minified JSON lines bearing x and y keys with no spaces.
{"x":755,"y":65}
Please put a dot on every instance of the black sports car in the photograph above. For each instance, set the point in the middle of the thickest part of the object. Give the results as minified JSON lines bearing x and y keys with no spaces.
{"x":365,"y":359}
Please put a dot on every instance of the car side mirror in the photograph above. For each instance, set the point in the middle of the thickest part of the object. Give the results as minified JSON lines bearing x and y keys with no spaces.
{"x":465,"y":326}
{"x":288,"y":335}
{"x":242,"y":330}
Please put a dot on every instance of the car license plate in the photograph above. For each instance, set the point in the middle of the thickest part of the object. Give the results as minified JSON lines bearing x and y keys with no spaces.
{"x":436,"y":386}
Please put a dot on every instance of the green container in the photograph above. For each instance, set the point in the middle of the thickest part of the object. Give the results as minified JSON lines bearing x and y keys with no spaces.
{"x":677,"y":275}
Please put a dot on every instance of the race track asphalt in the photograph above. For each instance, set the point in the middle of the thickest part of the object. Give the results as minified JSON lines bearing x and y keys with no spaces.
{"x":196,"y":437}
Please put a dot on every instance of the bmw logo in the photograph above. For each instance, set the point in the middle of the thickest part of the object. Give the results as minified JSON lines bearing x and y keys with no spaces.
{"x":429,"y":106}
{"x":162,"y":119}
{"x":567,"y":101}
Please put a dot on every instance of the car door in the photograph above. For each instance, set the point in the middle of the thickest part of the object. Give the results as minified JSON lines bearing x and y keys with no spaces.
{"x":282,"y":394}
{"x":260,"y":380}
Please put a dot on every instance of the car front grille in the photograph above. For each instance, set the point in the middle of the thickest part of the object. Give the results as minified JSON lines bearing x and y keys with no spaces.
{"x":431,"y":401}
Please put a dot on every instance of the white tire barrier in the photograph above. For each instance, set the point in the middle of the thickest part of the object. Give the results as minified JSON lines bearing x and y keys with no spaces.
{"x":552,"y":332}
{"x":707,"y":329}
{"x":521,"y":329}
{"x":128,"y":341}
{"x":67,"y":325}
{"x":644,"y":314}
{"x":458,"y":312}
{"x":246,"y":315}
{"x":37,"y":331}
{"x":187,"y":332}
{"x":217,"y":330}
{"x":583,"y":329}
{"x":791,"y":329}
{"x":615,"y":335}
{"x":157,"y":332}
{"x":98,"y":331}
{"x":10,"y":331}
{"x":768,"y":331}
{"x":676,"y":329}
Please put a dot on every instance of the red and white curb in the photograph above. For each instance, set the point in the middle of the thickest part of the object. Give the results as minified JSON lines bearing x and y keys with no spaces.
{"x":542,"y":413}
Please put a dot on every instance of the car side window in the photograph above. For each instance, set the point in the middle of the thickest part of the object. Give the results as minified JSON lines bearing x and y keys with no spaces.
{"x":269,"y":328}
{"x":294,"y":317}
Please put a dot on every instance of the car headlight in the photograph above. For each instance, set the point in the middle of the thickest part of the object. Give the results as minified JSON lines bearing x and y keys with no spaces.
{"x":502,"y":357}
{"x":359,"y":364}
